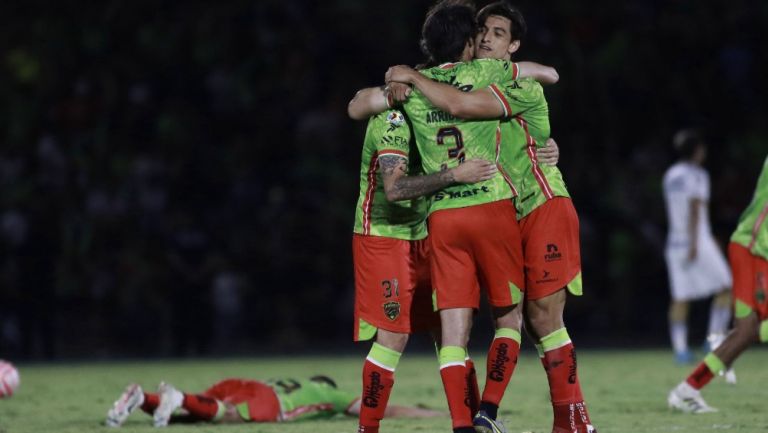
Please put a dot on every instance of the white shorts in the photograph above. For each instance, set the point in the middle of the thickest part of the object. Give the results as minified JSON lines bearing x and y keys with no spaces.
{"x":706,"y":275}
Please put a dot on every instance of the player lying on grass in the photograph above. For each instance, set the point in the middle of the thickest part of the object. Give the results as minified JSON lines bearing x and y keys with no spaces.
{"x":748,"y":254}
{"x":245,"y":400}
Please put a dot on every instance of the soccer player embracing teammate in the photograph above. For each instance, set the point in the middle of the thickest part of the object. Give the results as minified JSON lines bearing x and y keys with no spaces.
{"x":548,"y":220}
{"x":463,"y":256}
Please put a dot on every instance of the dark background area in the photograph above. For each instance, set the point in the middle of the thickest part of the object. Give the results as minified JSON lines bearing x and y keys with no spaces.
{"x":179,"y":178}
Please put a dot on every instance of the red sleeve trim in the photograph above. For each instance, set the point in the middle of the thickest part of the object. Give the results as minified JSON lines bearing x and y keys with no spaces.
{"x":515,"y":71}
{"x":393,"y":152}
{"x":502,"y":100}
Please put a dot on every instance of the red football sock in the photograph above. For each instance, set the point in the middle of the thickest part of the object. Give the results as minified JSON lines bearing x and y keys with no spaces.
{"x":501,"y":363}
{"x":378,"y":380}
{"x":474,"y":388}
{"x":202,"y":407}
{"x":377,"y":386}
{"x":570,"y":417}
{"x":700,"y":376}
{"x":564,"y":388}
{"x":151,"y":402}
{"x":458,"y":394}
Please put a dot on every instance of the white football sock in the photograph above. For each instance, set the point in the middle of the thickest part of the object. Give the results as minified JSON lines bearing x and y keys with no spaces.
{"x":678,"y":332}
{"x":719,"y":319}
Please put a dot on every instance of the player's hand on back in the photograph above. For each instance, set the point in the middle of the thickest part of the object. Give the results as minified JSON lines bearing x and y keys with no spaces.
{"x":399,"y":92}
{"x":474,"y":170}
{"x":550,"y":154}
{"x":400,"y":74}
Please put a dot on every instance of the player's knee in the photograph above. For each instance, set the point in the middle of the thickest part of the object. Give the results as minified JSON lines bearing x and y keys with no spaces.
{"x":510,"y":318}
{"x":678,"y":311}
{"x":748,"y":328}
{"x":392,"y":340}
{"x":723,"y":299}
{"x":545,"y":323}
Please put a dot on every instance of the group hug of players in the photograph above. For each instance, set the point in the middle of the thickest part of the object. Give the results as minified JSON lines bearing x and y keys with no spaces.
{"x":459,"y":194}
{"x":454,"y":201}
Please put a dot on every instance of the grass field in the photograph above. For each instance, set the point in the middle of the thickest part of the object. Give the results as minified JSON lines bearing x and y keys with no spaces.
{"x":625,"y":391}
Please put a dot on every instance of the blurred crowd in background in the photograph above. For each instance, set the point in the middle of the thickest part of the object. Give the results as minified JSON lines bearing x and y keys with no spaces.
{"x":179,"y":178}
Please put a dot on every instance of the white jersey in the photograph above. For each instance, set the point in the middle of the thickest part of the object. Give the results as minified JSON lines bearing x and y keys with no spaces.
{"x":682,"y":183}
{"x":708,"y":273}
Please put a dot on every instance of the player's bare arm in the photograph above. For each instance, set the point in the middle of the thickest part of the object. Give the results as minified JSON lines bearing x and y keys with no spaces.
{"x":367,"y":102}
{"x":396,"y":411}
{"x":399,"y":186}
{"x":541,"y":73}
{"x":479,"y":104}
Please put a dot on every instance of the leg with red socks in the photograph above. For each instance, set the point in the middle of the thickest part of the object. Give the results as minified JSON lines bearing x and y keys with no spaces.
{"x":501,"y":363}
{"x":203,"y":408}
{"x":453,"y":371}
{"x":474,"y":388}
{"x":378,"y":380}
{"x":151,"y":401}
{"x":570,"y":411}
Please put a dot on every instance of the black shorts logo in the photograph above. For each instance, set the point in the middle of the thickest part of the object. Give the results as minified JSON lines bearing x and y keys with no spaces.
{"x":552,"y":253}
{"x":392,"y":310}
{"x":546,"y":277}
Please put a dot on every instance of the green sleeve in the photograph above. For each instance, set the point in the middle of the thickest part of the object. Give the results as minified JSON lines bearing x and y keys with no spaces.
{"x":495,"y":71}
{"x":519,"y":96}
{"x":394,"y":135}
{"x":341,"y":400}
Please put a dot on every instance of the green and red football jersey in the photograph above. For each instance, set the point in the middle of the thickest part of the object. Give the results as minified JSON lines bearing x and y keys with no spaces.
{"x":752,"y":231}
{"x":444,"y":141}
{"x":526,"y":130}
{"x":388,"y":133}
{"x":309,"y":399}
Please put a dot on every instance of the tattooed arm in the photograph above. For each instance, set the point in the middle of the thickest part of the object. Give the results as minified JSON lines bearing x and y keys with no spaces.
{"x":399,"y":186}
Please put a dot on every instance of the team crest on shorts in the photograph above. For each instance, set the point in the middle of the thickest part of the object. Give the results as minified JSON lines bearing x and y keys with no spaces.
{"x":392,"y":310}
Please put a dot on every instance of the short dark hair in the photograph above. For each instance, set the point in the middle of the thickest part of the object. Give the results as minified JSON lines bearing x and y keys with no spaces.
{"x":686,"y":141}
{"x":448,"y":27}
{"x":518,"y":28}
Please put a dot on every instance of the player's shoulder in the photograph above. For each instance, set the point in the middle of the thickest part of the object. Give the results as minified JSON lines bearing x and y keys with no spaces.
{"x":679,"y":168}
{"x":527,"y":85}
{"x":675,"y":175}
{"x":491,"y":63}
{"x":487,"y":66}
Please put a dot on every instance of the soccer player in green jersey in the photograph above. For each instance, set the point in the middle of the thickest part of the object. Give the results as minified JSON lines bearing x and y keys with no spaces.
{"x":473,"y":230}
{"x":748,"y":256}
{"x":245,"y":400}
{"x":548,"y":221}
{"x":391,"y":253}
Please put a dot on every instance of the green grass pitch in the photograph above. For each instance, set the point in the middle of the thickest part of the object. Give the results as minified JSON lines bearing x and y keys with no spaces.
{"x":625,"y":392}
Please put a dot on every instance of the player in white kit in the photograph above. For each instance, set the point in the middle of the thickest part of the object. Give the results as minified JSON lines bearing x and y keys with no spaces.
{"x":696,"y":265}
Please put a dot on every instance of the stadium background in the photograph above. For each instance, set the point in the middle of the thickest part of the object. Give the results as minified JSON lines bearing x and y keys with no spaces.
{"x":179,"y":178}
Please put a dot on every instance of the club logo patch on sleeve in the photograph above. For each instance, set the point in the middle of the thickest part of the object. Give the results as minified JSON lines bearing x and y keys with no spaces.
{"x":392,"y":310}
{"x":395,"y":118}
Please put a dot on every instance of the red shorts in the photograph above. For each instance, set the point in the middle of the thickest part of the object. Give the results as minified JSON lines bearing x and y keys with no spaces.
{"x":750,"y":279}
{"x":550,"y":239}
{"x":260,"y":398}
{"x":392,"y":285}
{"x":473,"y":247}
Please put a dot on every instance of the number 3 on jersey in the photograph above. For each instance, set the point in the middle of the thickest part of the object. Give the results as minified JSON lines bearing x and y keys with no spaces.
{"x":454,"y":152}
